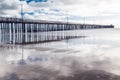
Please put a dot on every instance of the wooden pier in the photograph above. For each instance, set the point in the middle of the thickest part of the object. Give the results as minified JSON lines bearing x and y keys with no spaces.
{"x":23,"y":31}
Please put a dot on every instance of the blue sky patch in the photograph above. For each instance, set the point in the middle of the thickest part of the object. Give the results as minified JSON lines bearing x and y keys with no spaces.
{"x":28,"y":1}
{"x":29,"y":13}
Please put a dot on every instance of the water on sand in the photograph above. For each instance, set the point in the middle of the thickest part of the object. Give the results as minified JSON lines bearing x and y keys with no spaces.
{"x":95,"y":57}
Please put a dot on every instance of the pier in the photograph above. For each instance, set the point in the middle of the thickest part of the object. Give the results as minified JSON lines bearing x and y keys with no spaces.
{"x":24,"y":31}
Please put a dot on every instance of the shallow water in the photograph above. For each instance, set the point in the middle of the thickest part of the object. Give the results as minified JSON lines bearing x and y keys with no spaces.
{"x":95,"y":57}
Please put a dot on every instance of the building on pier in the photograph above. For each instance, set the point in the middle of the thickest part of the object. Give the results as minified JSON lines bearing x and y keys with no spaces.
{"x":18,"y":31}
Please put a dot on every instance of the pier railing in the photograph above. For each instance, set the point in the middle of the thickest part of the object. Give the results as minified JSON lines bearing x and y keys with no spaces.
{"x":18,"y":31}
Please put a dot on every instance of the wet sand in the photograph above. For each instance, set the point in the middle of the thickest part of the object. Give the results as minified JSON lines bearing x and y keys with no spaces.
{"x":33,"y":72}
{"x":94,"y":61}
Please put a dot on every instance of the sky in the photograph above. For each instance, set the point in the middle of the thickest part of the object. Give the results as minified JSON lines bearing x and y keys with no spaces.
{"x":79,"y":11}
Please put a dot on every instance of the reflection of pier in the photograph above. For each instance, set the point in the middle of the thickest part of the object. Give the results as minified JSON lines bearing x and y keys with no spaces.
{"x":29,"y":31}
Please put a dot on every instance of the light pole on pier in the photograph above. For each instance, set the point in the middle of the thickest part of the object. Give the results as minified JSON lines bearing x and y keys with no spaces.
{"x":22,"y":20}
{"x":84,"y":18}
{"x":22,"y":54}
{"x":84,"y":27}
{"x":67,"y":17}
{"x":21,"y":11}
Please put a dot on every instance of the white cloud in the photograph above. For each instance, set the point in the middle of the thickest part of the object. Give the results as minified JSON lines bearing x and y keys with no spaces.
{"x":97,"y":11}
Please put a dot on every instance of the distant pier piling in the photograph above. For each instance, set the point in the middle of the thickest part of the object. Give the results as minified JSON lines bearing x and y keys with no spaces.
{"x":18,"y":31}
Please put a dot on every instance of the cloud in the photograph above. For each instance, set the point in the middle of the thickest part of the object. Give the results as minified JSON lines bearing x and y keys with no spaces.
{"x":7,"y":7}
{"x":55,"y":10}
{"x":102,"y":11}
